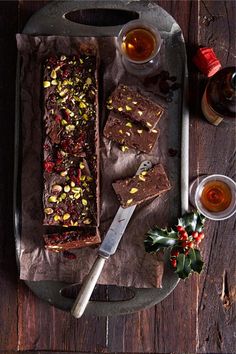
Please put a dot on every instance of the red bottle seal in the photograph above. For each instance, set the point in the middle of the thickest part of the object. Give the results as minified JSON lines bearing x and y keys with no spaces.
{"x":206,"y":61}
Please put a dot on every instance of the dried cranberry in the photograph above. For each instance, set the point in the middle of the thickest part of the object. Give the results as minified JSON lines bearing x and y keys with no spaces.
{"x":58,"y":118}
{"x":48,"y":166}
{"x":69,"y":255}
{"x":46,"y":147}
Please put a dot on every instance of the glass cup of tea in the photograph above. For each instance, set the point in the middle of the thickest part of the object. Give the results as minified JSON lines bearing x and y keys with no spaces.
{"x":214,"y":196}
{"x":139,"y":43}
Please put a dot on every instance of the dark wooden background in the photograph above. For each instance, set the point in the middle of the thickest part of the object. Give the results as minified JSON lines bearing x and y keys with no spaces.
{"x":199,"y":316}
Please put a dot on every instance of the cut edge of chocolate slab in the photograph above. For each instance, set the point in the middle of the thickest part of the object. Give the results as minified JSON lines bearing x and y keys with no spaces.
{"x":84,"y":237}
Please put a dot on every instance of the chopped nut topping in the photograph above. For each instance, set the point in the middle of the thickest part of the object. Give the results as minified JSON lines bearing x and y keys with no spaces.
{"x":46,"y":84}
{"x":148,"y":124}
{"x":84,"y":202}
{"x":140,"y":113}
{"x":133,"y":190}
{"x":124,"y":148}
{"x":63,"y":173}
{"x":129,"y":124}
{"x":140,"y":131}
{"x":48,"y":211}
{"x":81,"y":165}
{"x":57,"y":217}
{"x":129,"y":201}
{"x":56,"y":188}
{"x":87,"y":221}
{"x":52,"y":199}
{"x":142,"y":178}
{"x":66,"y":216}
{"x":66,"y":188}
{"x":128,"y":108}
{"x":53,"y":74}
{"x":120,"y":109}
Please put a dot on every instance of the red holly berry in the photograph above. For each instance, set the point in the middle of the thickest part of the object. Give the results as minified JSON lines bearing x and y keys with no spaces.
{"x":184,"y":244}
{"x":198,"y":240}
{"x":173,"y":262}
{"x":190,"y":244}
{"x":195,"y":234}
{"x":180,"y":228}
{"x":183,"y":235}
{"x":201,"y":235}
{"x":174,"y":253}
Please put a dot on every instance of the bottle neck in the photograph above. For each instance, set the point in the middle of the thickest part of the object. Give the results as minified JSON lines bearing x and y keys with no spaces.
{"x":230,"y":86}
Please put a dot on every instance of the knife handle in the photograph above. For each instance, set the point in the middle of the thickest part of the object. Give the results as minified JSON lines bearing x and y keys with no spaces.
{"x":87,"y":288}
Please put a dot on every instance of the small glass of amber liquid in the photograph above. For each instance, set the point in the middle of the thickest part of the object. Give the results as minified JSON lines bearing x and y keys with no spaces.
{"x":215,"y":196}
{"x":139,"y":44}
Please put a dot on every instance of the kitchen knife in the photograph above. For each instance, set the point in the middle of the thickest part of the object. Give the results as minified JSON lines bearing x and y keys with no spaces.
{"x":107,"y":249}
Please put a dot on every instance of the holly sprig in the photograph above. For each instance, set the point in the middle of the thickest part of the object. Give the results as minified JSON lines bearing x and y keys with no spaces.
{"x":182,"y":240}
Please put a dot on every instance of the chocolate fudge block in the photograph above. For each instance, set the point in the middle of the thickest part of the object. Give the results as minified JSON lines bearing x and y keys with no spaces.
{"x":129,"y":134}
{"x":135,"y":106}
{"x":71,"y":143}
{"x":73,"y":239}
{"x":137,"y":189}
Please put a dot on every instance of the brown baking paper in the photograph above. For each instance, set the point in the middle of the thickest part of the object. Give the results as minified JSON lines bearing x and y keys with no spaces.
{"x":131,"y":265}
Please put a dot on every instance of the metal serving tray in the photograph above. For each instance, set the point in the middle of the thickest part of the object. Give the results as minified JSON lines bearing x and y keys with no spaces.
{"x":105,"y":18}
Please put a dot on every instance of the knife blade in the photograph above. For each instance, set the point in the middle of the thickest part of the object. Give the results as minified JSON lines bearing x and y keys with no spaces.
{"x":107,"y":249}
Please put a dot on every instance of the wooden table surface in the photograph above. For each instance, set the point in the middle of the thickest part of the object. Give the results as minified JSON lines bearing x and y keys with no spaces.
{"x":199,"y":315}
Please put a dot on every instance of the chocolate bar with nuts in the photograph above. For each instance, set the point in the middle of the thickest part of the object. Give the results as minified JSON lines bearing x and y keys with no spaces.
{"x":129,"y":134}
{"x":142,"y":187}
{"x":73,"y":239}
{"x":135,"y":106}
{"x":71,"y":178}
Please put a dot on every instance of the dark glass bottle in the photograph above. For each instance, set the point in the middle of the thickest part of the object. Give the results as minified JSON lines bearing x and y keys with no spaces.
{"x":219,"y":99}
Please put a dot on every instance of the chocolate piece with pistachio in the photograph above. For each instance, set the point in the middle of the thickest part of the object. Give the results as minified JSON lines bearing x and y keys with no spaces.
{"x":137,"y":189}
{"x":129,"y":134}
{"x":135,"y":106}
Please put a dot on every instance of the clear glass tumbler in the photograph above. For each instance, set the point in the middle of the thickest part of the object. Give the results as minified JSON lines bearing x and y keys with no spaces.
{"x":214,"y":196}
{"x":139,"y":43}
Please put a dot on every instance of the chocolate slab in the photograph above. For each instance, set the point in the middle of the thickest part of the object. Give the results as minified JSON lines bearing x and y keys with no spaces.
{"x":70,"y":195}
{"x":59,"y":242}
{"x":135,"y":106}
{"x":129,"y":134}
{"x":137,"y":189}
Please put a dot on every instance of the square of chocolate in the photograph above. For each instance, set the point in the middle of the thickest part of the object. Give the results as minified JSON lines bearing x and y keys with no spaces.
{"x":142,"y":187}
{"x":129,"y":134}
{"x":135,"y":106}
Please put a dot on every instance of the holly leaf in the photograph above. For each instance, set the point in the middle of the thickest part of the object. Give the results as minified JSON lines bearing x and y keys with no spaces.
{"x":193,"y":221}
{"x":183,"y":266}
{"x":160,"y":238}
{"x":196,"y":260}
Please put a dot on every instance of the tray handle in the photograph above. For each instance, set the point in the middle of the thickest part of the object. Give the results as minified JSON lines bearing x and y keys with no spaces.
{"x":81,"y":18}
{"x":135,"y":299}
